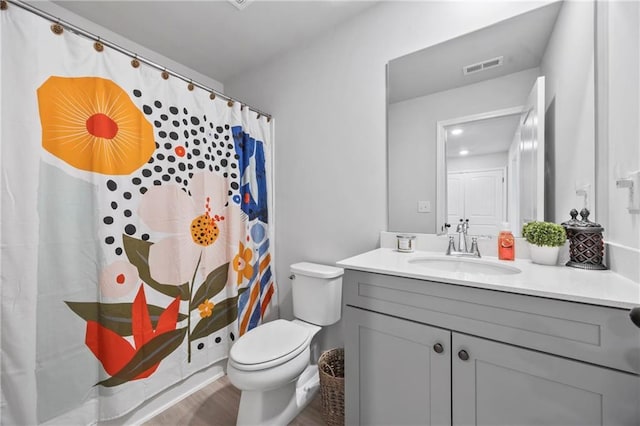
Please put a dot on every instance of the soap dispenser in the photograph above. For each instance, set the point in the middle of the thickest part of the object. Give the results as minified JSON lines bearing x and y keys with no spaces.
{"x":506,"y":243}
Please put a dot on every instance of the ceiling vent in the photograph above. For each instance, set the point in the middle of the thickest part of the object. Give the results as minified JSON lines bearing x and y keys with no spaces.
{"x":240,"y":4}
{"x":483,"y":66}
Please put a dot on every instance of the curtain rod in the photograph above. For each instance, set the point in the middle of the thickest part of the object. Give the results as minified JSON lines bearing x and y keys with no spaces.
{"x":91,"y":36}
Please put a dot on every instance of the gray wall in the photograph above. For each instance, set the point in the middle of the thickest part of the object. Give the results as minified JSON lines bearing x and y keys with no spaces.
{"x":328,"y":100}
{"x":412,"y":141}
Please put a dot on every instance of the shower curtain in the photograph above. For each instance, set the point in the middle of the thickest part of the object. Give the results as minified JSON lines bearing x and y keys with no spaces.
{"x":136,"y":234}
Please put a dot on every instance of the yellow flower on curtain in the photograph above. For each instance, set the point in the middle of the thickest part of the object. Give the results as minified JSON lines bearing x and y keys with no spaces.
{"x":205,"y":308}
{"x":242,"y":263}
{"x":91,"y":124}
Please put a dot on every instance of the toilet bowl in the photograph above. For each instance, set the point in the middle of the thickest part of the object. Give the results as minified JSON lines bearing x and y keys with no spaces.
{"x":278,"y":381}
{"x":274,"y":364}
{"x":271,"y":355}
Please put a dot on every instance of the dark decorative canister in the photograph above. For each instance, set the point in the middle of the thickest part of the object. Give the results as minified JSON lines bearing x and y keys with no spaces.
{"x":586,"y":246}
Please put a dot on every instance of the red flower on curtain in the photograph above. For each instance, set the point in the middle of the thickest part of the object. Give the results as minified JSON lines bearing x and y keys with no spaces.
{"x":115,"y":352}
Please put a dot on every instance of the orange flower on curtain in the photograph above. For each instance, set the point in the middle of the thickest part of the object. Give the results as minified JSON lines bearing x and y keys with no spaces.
{"x":206,"y":308}
{"x":91,"y":124}
{"x":242,"y":263}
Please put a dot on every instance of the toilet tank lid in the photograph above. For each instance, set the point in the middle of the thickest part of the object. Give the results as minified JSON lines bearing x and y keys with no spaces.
{"x":316,"y":270}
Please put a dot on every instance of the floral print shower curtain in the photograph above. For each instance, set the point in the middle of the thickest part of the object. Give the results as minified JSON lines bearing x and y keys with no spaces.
{"x":136,"y":231}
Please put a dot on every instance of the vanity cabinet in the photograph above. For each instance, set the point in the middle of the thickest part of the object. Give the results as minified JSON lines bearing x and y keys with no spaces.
{"x":396,"y":378}
{"x":419,"y":352}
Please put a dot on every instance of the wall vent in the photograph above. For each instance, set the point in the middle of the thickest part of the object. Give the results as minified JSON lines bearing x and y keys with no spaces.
{"x":482,"y":66}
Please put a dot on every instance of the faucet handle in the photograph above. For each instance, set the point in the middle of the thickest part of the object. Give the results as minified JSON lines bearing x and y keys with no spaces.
{"x":474,"y":247}
{"x":452,"y":247}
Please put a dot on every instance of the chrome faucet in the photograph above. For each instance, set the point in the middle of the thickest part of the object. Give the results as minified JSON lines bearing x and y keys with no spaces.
{"x":461,"y":229}
{"x":463,"y":250}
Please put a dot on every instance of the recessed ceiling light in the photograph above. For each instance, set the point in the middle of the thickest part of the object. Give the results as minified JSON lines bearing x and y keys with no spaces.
{"x":456,"y":132}
{"x":464,"y":152}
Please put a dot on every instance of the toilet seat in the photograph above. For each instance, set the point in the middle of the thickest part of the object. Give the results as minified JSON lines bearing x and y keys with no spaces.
{"x":269,"y":345}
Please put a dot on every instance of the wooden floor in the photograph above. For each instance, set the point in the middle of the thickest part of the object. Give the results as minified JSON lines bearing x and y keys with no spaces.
{"x":217,"y":405}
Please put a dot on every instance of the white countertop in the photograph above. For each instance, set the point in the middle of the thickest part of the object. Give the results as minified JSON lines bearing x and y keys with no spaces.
{"x":604,"y":288}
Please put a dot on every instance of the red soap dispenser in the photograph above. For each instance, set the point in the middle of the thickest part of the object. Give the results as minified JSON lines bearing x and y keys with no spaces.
{"x":506,"y":243}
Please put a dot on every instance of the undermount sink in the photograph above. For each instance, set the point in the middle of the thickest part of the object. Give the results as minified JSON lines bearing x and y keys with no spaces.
{"x":462,"y":264}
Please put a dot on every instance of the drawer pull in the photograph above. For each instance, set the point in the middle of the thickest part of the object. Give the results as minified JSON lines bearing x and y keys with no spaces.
{"x":438,"y":348}
{"x":463,"y":355}
{"x":635,"y":316}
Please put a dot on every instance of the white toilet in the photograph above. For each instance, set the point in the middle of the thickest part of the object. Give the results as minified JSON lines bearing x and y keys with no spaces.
{"x":274,"y":365}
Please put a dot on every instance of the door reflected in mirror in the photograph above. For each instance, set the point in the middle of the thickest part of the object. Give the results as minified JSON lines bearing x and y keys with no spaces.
{"x":477,"y":161}
{"x":492,"y":167}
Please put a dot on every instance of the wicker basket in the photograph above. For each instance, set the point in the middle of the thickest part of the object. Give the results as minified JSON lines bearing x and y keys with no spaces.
{"x":331,"y":371}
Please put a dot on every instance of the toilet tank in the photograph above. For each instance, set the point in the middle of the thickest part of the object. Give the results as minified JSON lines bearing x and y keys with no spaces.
{"x":317,"y":292}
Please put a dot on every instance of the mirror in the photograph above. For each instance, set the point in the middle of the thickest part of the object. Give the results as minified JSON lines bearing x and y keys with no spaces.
{"x":478,"y":84}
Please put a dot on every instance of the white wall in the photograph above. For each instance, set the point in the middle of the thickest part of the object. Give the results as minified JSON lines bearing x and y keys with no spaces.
{"x":328,"y":100}
{"x":412,"y":141}
{"x":619,"y":132}
{"x":568,"y":67}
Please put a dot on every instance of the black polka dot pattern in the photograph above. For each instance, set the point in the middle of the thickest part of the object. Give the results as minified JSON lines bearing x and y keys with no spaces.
{"x":186,"y":143}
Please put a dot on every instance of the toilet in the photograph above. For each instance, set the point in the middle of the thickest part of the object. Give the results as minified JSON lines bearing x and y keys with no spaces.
{"x":275,"y":364}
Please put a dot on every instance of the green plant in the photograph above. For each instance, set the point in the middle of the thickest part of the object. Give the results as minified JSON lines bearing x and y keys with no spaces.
{"x":544,"y":234}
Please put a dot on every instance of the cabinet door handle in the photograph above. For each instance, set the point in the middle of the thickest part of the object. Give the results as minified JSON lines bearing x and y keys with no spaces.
{"x":438,"y":348}
{"x":463,"y":355}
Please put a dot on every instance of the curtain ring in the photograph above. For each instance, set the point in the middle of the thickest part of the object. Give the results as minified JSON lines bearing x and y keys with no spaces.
{"x":4,"y":5}
{"x":241,"y":107}
{"x":98,"y":46}
{"x":165,"y":74}
{"x":135,"y":62}
{"x":258,"y":117}
{"x":57,"y":29}
{"x":229,"y":103}
{"x":190,"y":86}
{"x":268,"y":119}
{"x":212,"y":96}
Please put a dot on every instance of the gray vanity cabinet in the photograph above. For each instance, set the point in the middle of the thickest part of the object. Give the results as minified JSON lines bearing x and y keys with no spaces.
{"x":425,"y":353}
{"x":501,"y":384}
{"x":400,"y":378}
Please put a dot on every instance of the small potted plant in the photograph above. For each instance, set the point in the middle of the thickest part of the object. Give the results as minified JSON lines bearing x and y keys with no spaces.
{"x":545,"y":240}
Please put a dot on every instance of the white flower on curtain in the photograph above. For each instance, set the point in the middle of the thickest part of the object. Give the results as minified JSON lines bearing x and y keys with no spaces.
{"x":192,"y":223}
